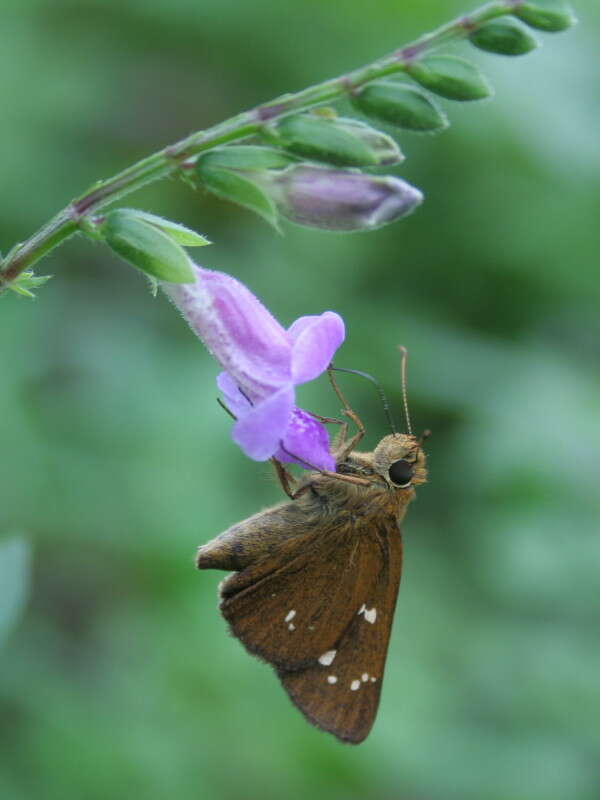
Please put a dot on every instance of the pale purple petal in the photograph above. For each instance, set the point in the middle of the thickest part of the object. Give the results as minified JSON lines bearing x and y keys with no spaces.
{"x":342,"y":199}
{"x":314,"y":341}
{"x":235,"y":400}
{"x":237,"y":329}
{"x":306,"y":442}
{"x":259,"y":430}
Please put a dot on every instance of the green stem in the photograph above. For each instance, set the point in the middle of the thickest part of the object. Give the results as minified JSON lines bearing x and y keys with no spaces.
{"x":167,"y":161}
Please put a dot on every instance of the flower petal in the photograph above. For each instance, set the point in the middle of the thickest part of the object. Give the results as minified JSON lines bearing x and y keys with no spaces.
{"x":314,"y":341}
{"x":306,"y":438}
{"x":237,"y":329}
{"x":341,"y":199}
{"x":260,"y":429}
{"x":235,"y":400}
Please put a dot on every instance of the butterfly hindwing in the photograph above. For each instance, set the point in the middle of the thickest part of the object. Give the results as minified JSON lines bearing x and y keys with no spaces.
{"x":342,"y":696}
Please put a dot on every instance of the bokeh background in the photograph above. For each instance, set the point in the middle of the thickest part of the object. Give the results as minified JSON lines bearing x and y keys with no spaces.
{"x":119,"y":678}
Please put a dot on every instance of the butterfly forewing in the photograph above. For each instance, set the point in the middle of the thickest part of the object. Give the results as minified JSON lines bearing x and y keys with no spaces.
{"x":293,"y":607}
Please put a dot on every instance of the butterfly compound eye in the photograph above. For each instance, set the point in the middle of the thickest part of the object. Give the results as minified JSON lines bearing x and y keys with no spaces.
{"x":401,"y":473}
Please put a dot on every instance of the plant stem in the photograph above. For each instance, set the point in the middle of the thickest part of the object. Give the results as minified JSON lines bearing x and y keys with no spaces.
{"x":167,"y":161}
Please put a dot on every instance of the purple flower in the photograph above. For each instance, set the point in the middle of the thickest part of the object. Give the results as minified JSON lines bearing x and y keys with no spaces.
{"x":263,"y":364}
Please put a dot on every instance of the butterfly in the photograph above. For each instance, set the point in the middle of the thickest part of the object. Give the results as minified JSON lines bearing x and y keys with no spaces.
{"x":315,"y":579}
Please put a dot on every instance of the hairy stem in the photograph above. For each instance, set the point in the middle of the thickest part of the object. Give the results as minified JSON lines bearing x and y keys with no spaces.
{"x":167,"y":161}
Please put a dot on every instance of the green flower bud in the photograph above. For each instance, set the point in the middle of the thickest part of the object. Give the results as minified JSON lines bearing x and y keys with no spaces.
{"x":246,"y":157}
{"x":400,"y":105}
{"x":450,"y":77}
{"x":146,"y":246}
{"x":338,"y":140}
{"x":179,"y":233}
{"x":551,"y":16}
{"x":506,"y":37}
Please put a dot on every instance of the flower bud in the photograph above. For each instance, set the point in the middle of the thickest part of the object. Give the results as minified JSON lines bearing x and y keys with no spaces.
{"x":341,"y":200}
{"x":146,"y":246}
{"x":505,"y":37}
{"x":450,"y":77}
{"x":244,"y":157}
{"x":338,"y":140}
{"x":551,"y":16}
{"x":400,"y":105}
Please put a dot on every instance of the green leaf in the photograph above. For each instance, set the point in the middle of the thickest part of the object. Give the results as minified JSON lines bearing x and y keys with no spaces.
{"x":146,"y":247}
{"x":240,"y":189}
{"x":551,"y":16}
{"x":339,"y":141}
{"x":505,"y":37}
{"x":400,"y":105}
{"x":14,"y":581}
{"x":245,"y":157}
{"x":26,"y":281}
{"x":450,"y":77}
{"x":179,"y":233}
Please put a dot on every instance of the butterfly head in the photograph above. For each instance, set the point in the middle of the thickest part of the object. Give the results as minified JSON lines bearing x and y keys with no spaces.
{"x":400,"y":461}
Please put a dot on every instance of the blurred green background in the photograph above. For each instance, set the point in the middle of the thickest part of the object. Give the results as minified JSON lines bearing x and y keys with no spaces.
{"x":120,"y":678}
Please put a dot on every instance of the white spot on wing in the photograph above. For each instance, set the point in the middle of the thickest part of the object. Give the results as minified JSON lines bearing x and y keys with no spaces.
{"x":291,"y":614}
{"x":371,"y":615}
{"x":291,"y":627}
{"x":362,"y":608}
{"x":327,"y":658}
{"x":365,"y":677}
{"x":373,"y":679}
{"x":332,"y":679}
{"x":355,"y":685}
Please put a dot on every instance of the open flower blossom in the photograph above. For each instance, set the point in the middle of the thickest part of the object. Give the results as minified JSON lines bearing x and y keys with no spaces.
{"x":263,"y":363}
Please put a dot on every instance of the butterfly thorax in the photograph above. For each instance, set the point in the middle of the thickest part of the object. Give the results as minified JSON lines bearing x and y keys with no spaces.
{"x":377,"y":493}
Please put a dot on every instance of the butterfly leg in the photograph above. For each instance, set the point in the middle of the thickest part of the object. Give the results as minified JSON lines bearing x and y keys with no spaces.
{"x":286,"y":479}
{"x":344,"y":448}
{"x":340,"y":438}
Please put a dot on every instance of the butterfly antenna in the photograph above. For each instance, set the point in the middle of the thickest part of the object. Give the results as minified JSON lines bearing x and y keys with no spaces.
{"x":384,"y":400}
{"x":403,"y":366}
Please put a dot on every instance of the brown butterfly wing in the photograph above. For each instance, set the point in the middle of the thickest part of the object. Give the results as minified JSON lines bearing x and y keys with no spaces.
{"x":341,"y":583}
{"x":291,"y":607}
{"x":342,"y":698}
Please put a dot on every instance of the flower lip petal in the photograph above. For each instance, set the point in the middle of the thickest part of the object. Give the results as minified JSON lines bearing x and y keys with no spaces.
{"x":306,"y":438}
{"x":235,"y":399}
{"x":261,"y":427}
{"x":314,"y":341}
